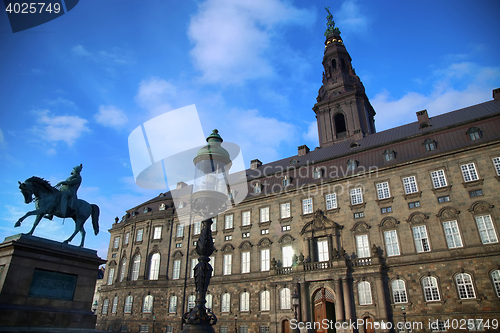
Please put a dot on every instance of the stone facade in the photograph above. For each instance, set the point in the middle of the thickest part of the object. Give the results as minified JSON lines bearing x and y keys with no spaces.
{"x":418,"y":242}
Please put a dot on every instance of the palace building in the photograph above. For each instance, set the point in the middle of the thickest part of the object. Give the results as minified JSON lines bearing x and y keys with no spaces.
{"x":400,"y":226}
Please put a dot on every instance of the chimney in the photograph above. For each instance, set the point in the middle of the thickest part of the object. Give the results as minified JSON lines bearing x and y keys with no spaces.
{"x":303,"y":150}
{"x":422,"y":116}
{"x":496,"y":94}
{"x":180,"y":185}
{"x":254,"y":164}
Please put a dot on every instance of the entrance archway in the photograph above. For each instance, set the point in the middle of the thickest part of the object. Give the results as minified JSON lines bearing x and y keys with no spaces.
{"x":324,"y":308}
{"x":285,"y":326}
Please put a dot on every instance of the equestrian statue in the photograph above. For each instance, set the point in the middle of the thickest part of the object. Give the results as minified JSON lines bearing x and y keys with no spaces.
{"x":61,"y":201}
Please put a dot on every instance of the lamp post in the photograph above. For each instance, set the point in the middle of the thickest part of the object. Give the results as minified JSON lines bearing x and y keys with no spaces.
{"x":404,"y":317}
{"x":154,"y":319}
{"x":235,"y":322}
{"x":209,"y":198}
{"x":295,"y":303}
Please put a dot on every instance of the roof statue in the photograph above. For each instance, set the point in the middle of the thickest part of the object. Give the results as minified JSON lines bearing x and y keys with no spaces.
{"x":331,"y":29}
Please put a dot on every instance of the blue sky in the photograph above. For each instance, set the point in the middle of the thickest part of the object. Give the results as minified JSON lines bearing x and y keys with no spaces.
{"x":73,"y":89}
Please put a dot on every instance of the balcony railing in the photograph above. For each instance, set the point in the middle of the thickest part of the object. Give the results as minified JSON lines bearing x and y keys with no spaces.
{"x":362,"y":262}
{"x":284,"y":270}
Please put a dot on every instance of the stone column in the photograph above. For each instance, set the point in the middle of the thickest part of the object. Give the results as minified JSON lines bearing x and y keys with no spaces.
{"x":339,"y":301}
{"x":312,"y":252}
{"x":381,"y":304}
{"x":347,"y":298}
{"x":330,"y":247}
{"x":304,"y":301}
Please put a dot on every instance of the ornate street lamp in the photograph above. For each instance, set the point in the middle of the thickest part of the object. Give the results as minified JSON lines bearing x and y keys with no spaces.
{"x":404,"y":317}
{"x":212,"y":162}
{"x":295,"y":303}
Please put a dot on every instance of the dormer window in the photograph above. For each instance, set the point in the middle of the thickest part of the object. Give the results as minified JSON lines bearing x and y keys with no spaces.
{"x":317,"y":173}
{"x":286,"y":180}
{"x":146,"y":209}
{"x":181,"y":204}
{"x":293,"y":161}
{"x":257,"y":188}
{"x":474,"y":133}
{"x":389,"y":155}
{"x":162,"y":206}
{"x":351,"y":164}
{"x":424,"y":125}
{"x":231,"y":195}
{"x":134,"y":213}
{"x":354,"y":145}
{"x":430,"y":145}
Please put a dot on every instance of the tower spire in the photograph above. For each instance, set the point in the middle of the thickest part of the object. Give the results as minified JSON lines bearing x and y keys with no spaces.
{"x":343,"y":110}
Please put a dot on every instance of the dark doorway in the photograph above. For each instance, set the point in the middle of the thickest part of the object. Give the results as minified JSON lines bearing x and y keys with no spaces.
{"x":340,"y":127}
{"x":285,"y":326}
{"x":324,"y":308}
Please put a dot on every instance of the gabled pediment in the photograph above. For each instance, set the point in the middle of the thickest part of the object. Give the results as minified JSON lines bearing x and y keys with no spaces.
{"x":320,"y":222}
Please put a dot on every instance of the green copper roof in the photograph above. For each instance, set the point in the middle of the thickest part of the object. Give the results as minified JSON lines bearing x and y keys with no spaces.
{"x":330,"y":24}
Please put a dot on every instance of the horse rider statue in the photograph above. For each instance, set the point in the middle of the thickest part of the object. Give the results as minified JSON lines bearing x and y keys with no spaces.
{"x":68,"y":189}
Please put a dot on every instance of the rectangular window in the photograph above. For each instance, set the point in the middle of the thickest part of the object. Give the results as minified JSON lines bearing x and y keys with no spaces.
{"x":359,"y":215}
{"x":245,"y":262}
{"x":228,"y":222}
{"x":212,"y":263}
{"x":157,"y":233}
{"x":173,"y":304}
{"x":391,"y":243}
{"x":264,"y":329}
{"x":414,"y":204}
{"x":323,"y":254}
{"x":178,"y":245}
{"x":421,"y":239}
{"x":446,"y":198}
{"x":386,"y":210}
{"x":228,"y":237}
{"x":180,"y":230}
{"x":475,"y":193}
{"x":264,"y":214}
{"x":383,"y":191}
{"x":264,"y":231}
{"x":143,"y":328}
{"x":469,"y":172}
{"x":197,"y":228}
{"x":111,"y":275}
{"x":264,"y":260}
{"x":223,"y":329}
{"x":285,"y":210}
{"x":214,"y":224}
{"x":245,"y":218}
{"x":410,"y":184}
{"x":243,"y":328}
{"x":331,"y":201}
{"x":363,"y":246}
{"x":438,"y":179}
{"x":245,"y":235}
{"x":285,"y":228}
{"x":287,"y":255}
{"x":486,"y":229}
{"x":127,"y":236}
{"x":105,"y":306}
{"x":128,"y":304}
{"x":139,"y":235}
{"x":177,"y":270}
{"x":227,"y":264}
{"x":496,"y":163}
{"x":170,"y":329}
{"x":356,"y":196}
{"x":452,"y":234}
{"x":116,"y":242}
{"x":194,"y":262}
{"x":307,"y":206}
{"x":256,"y":188}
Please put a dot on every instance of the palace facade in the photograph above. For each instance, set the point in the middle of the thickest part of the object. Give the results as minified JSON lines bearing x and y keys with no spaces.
{"x":400,"y":226}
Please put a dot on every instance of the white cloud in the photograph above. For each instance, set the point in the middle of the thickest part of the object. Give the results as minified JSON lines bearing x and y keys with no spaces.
{"x":457,"y":86}
{"x":2,"y":138}
{"x":311,"y":136}
{"x":114,"y":56}
{"x":351,"y":18}
{"x":232,"y":37}
{"x":111,"y":116}
{"x":60,"y":128}
{"x":156,"y":93}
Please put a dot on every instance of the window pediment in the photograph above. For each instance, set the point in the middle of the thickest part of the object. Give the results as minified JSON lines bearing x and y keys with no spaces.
{"x":360,"y":228}
{"x":447,"y":213}
{"x":480,"y":207}
{"x":417,"y":218}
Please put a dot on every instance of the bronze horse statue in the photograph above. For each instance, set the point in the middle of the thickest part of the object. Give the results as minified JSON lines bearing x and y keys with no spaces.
{"x":47,"y":201}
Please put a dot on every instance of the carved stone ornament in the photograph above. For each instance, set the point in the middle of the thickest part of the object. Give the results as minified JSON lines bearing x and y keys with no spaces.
{"x":246,"y":245}
{"x":480,"y":207}
{"x":417,"y":218}
{"x":447,"y":213}
{"x":320,"y":222}
{"x":388,"y":222}
{"x":360,"y":227}
{"x":264,"y":242}
{"x":286,"y":239}
{"x":228,"y":248}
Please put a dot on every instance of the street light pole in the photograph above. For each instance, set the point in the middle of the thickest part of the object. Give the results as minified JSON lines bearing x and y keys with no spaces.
{"x":404,"y":318}
{"x":235,"y":321}
{"x":295,"y":303}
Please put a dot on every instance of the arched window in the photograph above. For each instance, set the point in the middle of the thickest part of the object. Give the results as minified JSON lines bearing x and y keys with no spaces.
{"x":128,"y":304}
{"x":430,"y":144}
{"x":285,"y":298}
{"x":147,"y":306}
{"x":191,"y":302}
{"x":317,"y":173}
{"x":122,"y":269}
{"x":495,"y":276}
{"x":399,"y":291}
{"x":464,"y":285}
{"x":431,"y":291}
{"x":351,"y":164}
{"x":111,"y":275}
{"x":154,"y":266}
{"x":334,"y":64}
{"x":245,"y":301}
{"x":225,"y":303}
{"x":364,"y":293}
{"x":115,"y":305}
{"x":105,"y":306}
{"x":340,"y":127}
{"x":209,"y":299}
{"x":172,"y":307}
{"x":265,"y":300}
{"x":389,"y":155}
{"x":135,"y":267}
{"x":474,"y":133}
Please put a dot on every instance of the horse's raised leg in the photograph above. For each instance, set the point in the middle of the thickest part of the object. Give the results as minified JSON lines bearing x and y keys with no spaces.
{"x":37,"y":220}
{"x":33,"y":212}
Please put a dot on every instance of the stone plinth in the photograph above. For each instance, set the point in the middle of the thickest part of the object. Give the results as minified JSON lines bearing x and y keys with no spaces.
{"x":46,"y":284}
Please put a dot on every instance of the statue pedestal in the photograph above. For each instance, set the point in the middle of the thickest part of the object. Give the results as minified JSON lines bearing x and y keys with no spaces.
{"x":46,"y":285}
